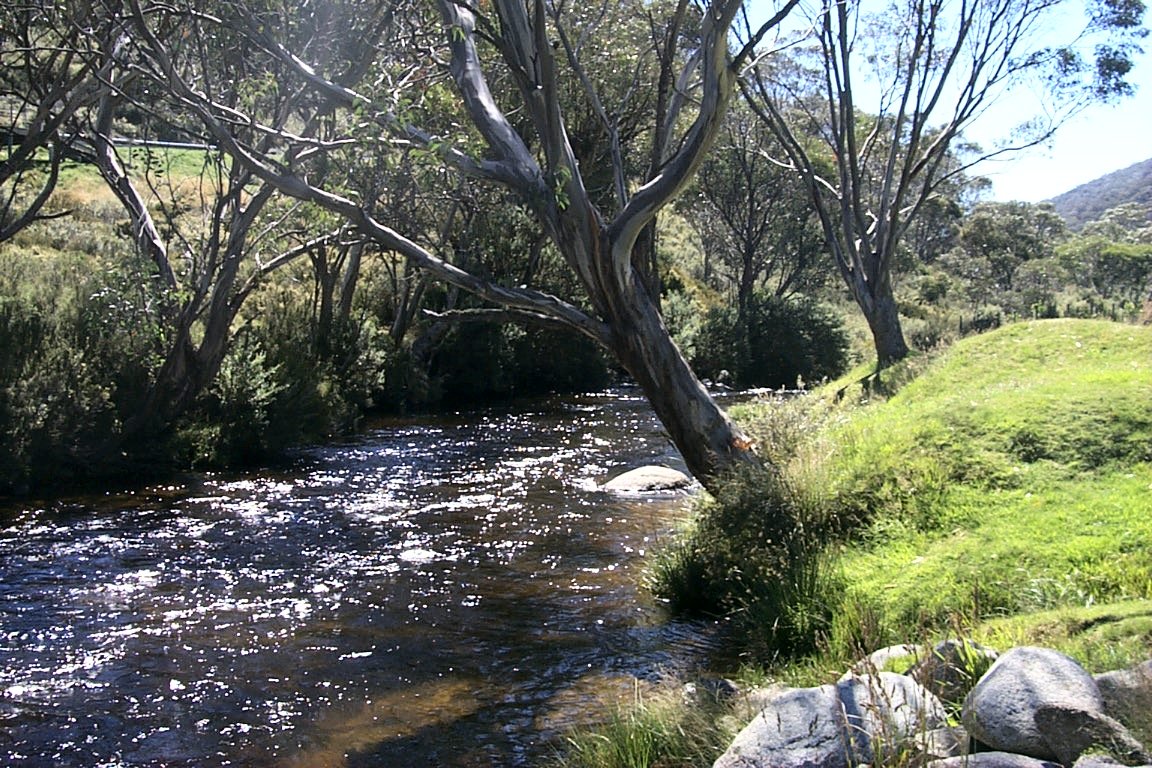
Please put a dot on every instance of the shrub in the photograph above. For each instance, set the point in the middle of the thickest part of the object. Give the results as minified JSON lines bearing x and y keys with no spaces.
{"x":684,"y":316}
{"x":547,"y":361}
{"x":473,"y":364}
{"x":755,"y":554}
{"x":774,"y":342}
{"x":232,"y":422}
{"x":78,"y":342}
{"x":482,"y":361}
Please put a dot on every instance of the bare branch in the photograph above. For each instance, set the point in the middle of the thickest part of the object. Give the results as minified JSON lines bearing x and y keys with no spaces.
{"x":717,"y":78}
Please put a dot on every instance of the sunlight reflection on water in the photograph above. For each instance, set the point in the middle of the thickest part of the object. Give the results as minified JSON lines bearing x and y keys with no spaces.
{"x":452,"y":593}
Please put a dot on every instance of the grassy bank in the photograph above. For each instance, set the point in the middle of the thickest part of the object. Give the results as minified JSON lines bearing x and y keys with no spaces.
{"x":999,"y":489}
{"x":1013,"y":474}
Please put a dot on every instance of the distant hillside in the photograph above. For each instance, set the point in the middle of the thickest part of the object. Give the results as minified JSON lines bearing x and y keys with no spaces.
{"x":1086,"y":202}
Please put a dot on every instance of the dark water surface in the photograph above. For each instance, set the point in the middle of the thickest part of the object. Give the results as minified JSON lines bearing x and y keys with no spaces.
{"x":453,"y":592}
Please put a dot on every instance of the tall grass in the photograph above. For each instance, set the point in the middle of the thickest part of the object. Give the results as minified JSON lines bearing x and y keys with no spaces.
{"x":754,"y":553}
{"x":658,"y":729}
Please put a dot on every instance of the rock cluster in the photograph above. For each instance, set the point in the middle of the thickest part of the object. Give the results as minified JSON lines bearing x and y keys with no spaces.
{"x":1028,"y":708}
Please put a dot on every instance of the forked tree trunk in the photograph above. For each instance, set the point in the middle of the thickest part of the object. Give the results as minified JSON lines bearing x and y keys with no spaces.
{"x":621,"y":313}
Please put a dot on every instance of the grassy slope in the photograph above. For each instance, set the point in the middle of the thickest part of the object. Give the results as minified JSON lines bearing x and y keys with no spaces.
{"x":1014,"y":474}
{"x":1004,"y":493}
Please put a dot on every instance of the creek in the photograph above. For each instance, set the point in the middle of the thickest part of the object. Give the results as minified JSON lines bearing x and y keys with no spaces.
{"x":449,"y":591}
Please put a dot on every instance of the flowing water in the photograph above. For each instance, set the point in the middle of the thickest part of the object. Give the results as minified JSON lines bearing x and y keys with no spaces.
{"x":453,"y":592}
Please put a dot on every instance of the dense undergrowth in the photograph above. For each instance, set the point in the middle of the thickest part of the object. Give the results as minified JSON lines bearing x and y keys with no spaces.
{"x":90,"y":335}
{"x":998,"y":489}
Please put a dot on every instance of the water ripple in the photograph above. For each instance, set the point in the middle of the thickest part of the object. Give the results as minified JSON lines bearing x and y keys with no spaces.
{"x":450,"y":593}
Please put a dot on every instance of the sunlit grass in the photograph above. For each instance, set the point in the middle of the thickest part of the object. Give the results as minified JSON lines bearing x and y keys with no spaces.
{"x":658,"y":729}
{"x":998,"y":490}
{"x":1043,"y":544}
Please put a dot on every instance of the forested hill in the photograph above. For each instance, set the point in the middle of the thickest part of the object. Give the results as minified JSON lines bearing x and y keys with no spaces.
{"x":1086,"y":202}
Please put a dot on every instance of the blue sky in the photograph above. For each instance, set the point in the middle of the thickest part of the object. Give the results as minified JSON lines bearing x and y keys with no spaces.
{"x":1098,"y":141}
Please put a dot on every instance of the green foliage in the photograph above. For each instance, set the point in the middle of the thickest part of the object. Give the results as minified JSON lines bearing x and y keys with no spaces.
{"x":285,"y":381}
{"x":484,"y":361}
{"x":755,"y":553}
{"x":758,"y":228}
{"x":1009,"y":474}
{"x":774,"y":342}
{"x":79,"y":342}
{"x":1110,"y":269}
{"x":233,"y":422}
{"x":657,"y":730}
{"x":997,"y":238}
{"x":684,"y":319}
{"x":1016,"y":261}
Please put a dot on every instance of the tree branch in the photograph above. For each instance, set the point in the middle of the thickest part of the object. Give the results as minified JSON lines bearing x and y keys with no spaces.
{"x":718,"y":77}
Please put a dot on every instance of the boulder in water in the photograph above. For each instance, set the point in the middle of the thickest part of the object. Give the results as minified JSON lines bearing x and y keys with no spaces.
{"x":648,"y":479}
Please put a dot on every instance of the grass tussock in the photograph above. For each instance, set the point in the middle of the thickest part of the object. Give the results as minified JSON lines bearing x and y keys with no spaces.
{"x":997,"y":490}
{"x":753,"y":553}
{"x":659,"y":730}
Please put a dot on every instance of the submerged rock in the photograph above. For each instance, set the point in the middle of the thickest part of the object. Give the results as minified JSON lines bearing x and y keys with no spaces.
{"x":647,"y":480}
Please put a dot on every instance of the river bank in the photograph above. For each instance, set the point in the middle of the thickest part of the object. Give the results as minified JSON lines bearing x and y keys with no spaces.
{"x":993,"y":490}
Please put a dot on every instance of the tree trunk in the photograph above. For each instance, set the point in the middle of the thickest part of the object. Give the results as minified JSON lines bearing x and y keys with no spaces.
{"x":884,"y":321}
{"x":707,"y":439}
{"x":746,"y":287}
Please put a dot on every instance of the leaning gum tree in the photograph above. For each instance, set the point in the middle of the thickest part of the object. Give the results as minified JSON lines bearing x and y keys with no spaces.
{"x":505,"y":60}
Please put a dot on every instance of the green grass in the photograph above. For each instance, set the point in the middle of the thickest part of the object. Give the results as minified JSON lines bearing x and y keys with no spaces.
{"x":1045,"y":544}
{"x":1100,"y":637}
{"x":1008,"y":475}
{"x":659,"y":729}
{"x":1013,"y":474}
{"x":1059,"y":397}
{"x":1000,"y":490}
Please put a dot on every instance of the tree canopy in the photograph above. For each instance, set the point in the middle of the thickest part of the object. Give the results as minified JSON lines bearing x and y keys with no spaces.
{"x":891,"y":90}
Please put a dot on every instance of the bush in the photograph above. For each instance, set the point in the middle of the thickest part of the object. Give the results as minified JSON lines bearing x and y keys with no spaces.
{"x":479,"y":362}
{"x":684,"y":311}
{"x":280,"y":385}
{"x":756,"y":555}
{"x":775,"y":343}
{"x":233,"y":423}
{"x":78,"y":342}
